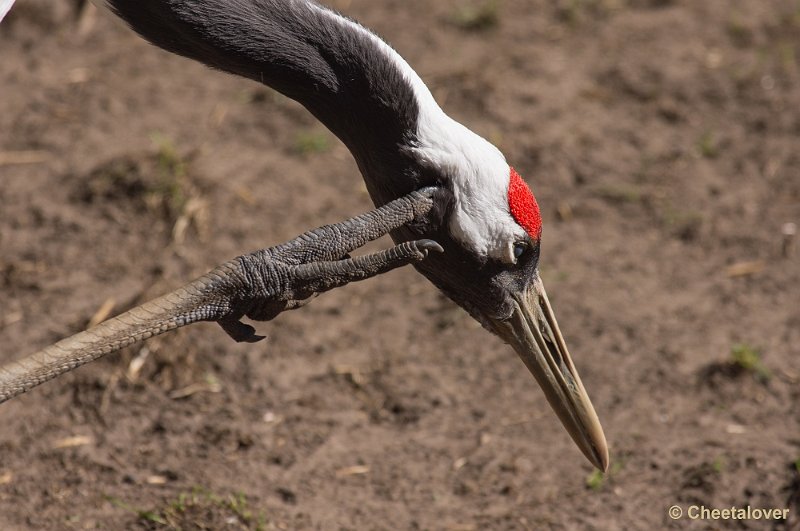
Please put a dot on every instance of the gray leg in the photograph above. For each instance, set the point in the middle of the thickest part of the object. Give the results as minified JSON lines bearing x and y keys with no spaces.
{"x":259,"y":285}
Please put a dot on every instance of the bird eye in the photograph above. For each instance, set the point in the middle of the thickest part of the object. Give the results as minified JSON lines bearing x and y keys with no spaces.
{"x":519,"y":250}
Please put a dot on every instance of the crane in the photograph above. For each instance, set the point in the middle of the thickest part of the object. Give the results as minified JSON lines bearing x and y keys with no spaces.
{"x":439,"y":187}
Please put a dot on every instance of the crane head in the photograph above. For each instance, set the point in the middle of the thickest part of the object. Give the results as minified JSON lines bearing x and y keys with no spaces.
{"x":489,"y":223}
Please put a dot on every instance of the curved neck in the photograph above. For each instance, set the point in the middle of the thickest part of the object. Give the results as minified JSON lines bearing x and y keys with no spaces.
{"x":347,"y":77}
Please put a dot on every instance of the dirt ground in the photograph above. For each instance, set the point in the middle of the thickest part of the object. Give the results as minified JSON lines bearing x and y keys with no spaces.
{"x":662,"y":139}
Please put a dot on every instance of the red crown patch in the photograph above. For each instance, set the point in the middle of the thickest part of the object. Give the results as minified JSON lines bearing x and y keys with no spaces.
{"x":523,"y":206}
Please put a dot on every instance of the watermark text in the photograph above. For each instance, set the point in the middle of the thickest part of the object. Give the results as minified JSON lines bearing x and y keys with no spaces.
{"x":701,"y":512}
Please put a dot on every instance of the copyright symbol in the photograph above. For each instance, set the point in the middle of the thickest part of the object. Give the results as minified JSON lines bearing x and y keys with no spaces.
{"x":675,"y":512}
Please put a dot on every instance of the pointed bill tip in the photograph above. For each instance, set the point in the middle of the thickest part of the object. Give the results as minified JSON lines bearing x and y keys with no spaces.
{"x":599,"y":454}
{"x":533,"y":332}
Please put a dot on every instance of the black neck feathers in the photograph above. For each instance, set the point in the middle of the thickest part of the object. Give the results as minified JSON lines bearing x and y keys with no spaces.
{"x":340,"y":73}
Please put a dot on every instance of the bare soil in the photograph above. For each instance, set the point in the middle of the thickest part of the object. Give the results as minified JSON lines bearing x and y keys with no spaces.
{"x":662,"y":139}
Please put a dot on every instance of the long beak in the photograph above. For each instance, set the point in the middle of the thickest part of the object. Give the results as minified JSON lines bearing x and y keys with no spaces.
{"x":533,"y":332}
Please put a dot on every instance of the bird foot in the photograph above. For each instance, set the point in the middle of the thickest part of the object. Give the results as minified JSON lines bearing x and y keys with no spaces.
{"x":262,"y":284}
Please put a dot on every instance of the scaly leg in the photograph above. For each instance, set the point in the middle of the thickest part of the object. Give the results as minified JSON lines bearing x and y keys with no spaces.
{"x":259,"y":285}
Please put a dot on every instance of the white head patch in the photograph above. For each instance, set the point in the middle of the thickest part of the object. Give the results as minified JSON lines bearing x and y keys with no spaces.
{"x":479,"y":175}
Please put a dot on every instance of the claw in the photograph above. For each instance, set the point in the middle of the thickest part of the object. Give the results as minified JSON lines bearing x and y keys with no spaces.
{"x":428,"y":191}
{"x":429,"y":245}
{"x":240,"y":332}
